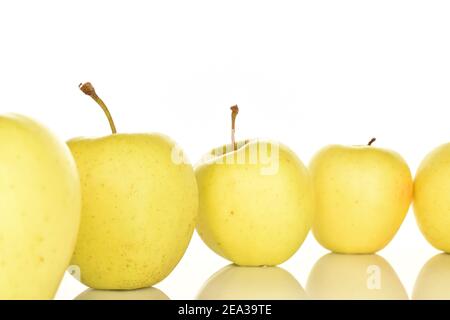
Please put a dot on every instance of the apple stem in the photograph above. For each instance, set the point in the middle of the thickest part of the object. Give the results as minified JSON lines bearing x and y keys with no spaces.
{"x":89,"y":90}
{"x":371,"y":141}
{"x":234,"y":113}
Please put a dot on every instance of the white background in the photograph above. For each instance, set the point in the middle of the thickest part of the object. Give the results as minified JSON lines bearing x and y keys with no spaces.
{"x":306,"y":73}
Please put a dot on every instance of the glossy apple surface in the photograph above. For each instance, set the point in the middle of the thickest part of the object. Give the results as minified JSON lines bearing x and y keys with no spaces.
{"x":256,"y":203}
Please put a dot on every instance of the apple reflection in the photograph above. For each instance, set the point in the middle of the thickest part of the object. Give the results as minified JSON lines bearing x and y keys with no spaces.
{"x":352,"y":277}
{"x":433,"y":282}
{"x":252,"y":283}
{"x":140,"y":294}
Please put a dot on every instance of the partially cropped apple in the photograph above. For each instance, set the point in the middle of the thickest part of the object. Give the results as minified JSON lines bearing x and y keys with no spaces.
{"x":256,"y":201}
{"x":363,"y":195}
{"x":40,"y":203}
{"x":139,"y":207}
{"x":432,"y":197}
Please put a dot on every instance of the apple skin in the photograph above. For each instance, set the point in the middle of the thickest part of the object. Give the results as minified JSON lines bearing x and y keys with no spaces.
{"x":433,"y":280}
{"x":432,"y":197}
{"x":354,"y":277}
{"x":250,"y":216}
{"x":252,"y":283}
{"x":40,"y":203}
{"x":139,"y":210}
{"x":363,"y":194}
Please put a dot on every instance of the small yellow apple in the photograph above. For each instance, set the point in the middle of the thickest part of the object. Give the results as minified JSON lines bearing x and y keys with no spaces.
{"x":432,"y":197}
{"x":354,"y":277}
{"x":256,"y":202}
{"x":139,"y":208}
{"x":433,"y":282}
{"x":252,"y":283}
{"x":40,"y":203}
{"x":363,"y":194}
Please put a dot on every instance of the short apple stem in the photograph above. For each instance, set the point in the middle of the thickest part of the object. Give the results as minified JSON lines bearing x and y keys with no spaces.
{"x":371,"y":141}
{"x":234,"y":113}
{"x":89,"y":90}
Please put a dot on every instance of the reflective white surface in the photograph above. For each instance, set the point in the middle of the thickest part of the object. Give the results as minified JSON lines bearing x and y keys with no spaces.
{"x":140,"y":294}
{"x":337,"y":276}
{"x":407,"y":268}
{"x":433,"y":281}
{"x":251,"y":283}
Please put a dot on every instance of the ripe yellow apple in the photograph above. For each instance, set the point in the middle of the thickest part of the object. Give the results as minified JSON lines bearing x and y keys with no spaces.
{"x":354,"y":277}
{"x":139,"y":208}
{"x":363,"y":195}
{"x":432,"y":198}
{"x":252,"y":283}
{"x":40,"y":203}
{"x":139,"y":294}
{"x":433,"y":282}
{"x":256,"y":202}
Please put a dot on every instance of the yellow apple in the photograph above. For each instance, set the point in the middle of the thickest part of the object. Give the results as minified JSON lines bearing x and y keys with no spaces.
{"x":256,"y":202}
{"x":433,"y":282}
{"x":139,"y":294}
{"x":432,"y":197}
{"x":40,"y":202}
{"x":139,"y":208}
{"x":252,"y":283}
{"x":354,"y":277}
{"x":363,"y":195}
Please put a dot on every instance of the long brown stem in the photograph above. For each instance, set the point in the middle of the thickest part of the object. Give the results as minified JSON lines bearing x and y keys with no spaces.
{"x":371,"y":141}
{"x":89,"y":90}
{"x":234,"y":113}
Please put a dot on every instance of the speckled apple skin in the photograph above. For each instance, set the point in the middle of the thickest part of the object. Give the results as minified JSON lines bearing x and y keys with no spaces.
{"x":139,"y":209}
